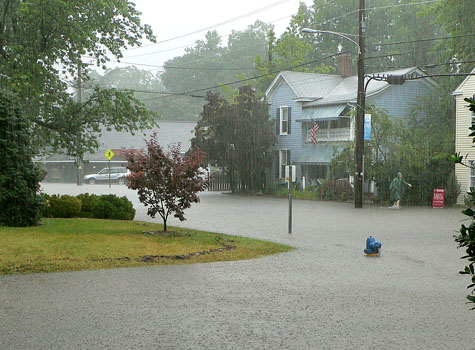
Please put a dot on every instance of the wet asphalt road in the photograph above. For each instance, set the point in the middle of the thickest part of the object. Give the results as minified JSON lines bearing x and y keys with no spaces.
{"x":324,"y":295}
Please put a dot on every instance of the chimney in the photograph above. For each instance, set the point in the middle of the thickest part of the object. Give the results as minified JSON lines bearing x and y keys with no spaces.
{"x":344,"y":65}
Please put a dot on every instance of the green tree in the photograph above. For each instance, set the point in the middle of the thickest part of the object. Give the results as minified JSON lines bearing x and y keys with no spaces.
{"x":19,"y":177}
{"x":138,"y":81}
{"x":419,"y":146}
{"x":44,"y":44}
{"x":377,"y":152}
{"x":456,"y":17}
{"x":237,"y":137}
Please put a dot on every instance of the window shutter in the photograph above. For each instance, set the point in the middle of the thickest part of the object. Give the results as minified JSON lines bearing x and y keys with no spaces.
{"x":277,"y":165}
{"x":277,"y":121}
{"x":288,"y":157}
{"x":290,"y":120}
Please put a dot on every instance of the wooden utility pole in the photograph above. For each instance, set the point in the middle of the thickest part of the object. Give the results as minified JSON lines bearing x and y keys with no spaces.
{"x":359,"y":148}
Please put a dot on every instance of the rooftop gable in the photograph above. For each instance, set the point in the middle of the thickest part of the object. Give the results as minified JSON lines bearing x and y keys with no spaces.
{"x":321,"y":89}
{"x":457,"y":90}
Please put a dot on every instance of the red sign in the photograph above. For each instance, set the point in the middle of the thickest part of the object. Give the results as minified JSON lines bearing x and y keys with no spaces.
{"x":438,"y":198}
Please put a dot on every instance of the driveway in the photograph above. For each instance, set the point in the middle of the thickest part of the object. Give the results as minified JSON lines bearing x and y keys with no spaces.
{"x":324,"y":295}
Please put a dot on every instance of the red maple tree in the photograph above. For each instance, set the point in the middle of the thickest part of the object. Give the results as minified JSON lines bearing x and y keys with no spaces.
{"x":166,"y":182}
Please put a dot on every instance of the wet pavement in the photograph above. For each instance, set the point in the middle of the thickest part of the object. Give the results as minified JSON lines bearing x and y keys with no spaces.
{"x":324,"y":295}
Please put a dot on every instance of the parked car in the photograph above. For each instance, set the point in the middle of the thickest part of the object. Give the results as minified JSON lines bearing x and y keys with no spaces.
{"x":118,"y":174}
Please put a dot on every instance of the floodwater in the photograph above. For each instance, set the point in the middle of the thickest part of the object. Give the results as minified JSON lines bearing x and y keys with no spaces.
{"x":324,"y":295}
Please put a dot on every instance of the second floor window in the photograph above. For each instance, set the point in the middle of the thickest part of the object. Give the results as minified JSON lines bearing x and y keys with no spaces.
{"x":283,"y":120}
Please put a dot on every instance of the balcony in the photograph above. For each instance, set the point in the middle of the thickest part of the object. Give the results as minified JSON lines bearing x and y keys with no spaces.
{"x":332,"y":135}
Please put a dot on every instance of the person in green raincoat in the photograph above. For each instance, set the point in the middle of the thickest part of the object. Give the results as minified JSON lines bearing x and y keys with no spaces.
{"x":398,"y":187}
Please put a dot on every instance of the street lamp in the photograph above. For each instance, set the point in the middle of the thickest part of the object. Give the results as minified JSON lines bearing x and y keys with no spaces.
{"x":360,"y":102}
{"x":315,"y":31}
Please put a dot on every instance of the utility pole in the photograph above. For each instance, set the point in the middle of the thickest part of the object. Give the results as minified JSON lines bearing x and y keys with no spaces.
{"x":359,"y":147}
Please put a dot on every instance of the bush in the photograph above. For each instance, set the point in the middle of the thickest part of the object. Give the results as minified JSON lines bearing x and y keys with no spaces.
{"x":64,"y":206}
{"x":88,"y":206}
{"x":88,"y":201}
{"x":112,"y":207}
{"x":453,"y":189}
{"x":335,"y":190}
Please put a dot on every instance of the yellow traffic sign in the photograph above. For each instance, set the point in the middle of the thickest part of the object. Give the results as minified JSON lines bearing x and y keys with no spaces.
{"x":109,"y":154}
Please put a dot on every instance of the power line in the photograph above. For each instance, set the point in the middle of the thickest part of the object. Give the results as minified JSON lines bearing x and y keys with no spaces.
{"x":404,"y":53}
{"x":303,"y":81}
{"x":420,"y":40}
{"x":255,"y":77}
{"x":218,"y":24}
{"x":189,"y":68}
{"x":426,"y":65}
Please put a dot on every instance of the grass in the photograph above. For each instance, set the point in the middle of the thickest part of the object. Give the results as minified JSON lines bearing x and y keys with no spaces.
{"x":88,"y":244}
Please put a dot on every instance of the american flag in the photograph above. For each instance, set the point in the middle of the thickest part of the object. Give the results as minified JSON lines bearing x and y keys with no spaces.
{"x":313,"y":133}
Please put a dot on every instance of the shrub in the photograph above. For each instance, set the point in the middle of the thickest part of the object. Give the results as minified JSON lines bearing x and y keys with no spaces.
{"x":64,"y":206}
{"x":335,"y":190}
{"x":112,"y":207}
{"x":88,"y":206}
{"x":87,"y":201}
{"x":45,"y":208}
{"x":452,"y":190}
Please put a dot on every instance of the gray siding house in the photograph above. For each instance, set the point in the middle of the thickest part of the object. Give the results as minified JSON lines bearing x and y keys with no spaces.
{"x":299,"y":100}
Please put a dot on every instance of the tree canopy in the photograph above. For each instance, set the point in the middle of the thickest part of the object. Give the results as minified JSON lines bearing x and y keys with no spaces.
{"x":166,"y":183}
{"x":237,"y":137}
{"x":43,"y":45}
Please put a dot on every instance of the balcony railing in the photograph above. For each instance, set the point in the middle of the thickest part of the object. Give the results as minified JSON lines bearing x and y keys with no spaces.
{"x":339,"y":134}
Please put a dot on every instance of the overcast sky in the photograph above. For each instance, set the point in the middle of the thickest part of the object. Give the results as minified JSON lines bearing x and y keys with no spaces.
{"x":177,"y":18}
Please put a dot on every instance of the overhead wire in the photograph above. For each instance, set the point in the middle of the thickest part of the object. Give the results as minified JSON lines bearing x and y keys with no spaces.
{"x":280,"y":2}
{"x":254,"y":77}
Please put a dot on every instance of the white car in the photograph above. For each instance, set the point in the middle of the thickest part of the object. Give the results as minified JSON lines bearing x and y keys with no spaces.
{"x":117,"y":174}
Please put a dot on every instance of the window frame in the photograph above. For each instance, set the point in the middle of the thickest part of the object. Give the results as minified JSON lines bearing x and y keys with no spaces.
{"x":471,"y":175}
{"x":281,"y":120}
{"x":283,"y":151}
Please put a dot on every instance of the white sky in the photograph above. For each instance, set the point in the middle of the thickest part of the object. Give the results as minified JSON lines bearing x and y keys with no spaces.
{"x":173,"y":18}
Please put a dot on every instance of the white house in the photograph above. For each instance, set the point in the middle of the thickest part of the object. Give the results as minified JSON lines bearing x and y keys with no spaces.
{"x":463,"y":143}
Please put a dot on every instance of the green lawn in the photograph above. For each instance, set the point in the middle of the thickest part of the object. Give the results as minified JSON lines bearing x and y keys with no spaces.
{"x":86,"y":244}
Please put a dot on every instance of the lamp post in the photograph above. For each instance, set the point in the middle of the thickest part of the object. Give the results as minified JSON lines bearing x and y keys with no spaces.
{"x":316,"y":31}
{"x":360,"y":102}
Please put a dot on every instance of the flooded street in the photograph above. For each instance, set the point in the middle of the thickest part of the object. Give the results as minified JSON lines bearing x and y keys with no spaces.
{"x":324,"y":295}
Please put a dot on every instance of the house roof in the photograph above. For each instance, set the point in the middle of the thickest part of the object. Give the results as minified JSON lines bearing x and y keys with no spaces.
{"x":324,"y":89}
{"x":457,"y":90}
{"x":323,"y":113}
{"x":168,"y":132}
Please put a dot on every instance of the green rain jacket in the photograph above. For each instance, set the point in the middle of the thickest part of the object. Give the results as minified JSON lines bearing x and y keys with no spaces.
{"x":398,"y":187}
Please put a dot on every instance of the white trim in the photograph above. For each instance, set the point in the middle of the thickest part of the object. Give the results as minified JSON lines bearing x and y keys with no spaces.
{"x":464,"y":81}
{"x":276,"y":83}
{"x":285,"y":150}
{"x":469,"y":180}
{"x":471,"y":120}
{"x":281,"y":114}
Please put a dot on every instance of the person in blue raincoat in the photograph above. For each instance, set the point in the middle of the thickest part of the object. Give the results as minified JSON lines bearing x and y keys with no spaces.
{"x":398,"y":187}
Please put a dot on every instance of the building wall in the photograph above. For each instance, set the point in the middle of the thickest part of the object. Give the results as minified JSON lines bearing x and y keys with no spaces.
{"x":284,"y":96}
{"x":463,"y":143}
{"x":398,"y":100}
